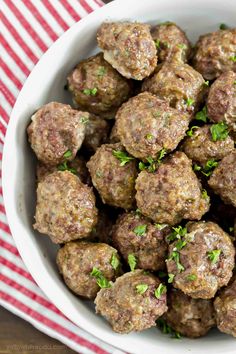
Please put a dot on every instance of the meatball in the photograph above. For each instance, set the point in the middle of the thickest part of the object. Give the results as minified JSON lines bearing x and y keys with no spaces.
{"x":221,"y":102}
{"x":65,"y":208}
{"x":171,"y":42}
{"x":114,"y":179}
{"x":200,"y":147}
{"x":114,"y":136}
{"x":146,"y":125}
{"x":178,"y":84}
{"x":129,"y":48}
{"x":215,"y":53}
{"x":56,"y":133}
{"x":130,"y":304}
{"x":77,"y":166}
{"x":172,"y":192}
{"x":190,"y":317}
{"x":225,"y":307}
{"x":223,"y":179}
{"x":85,"y":265}
{"x":97,"y":87}
{"x":202,"y":261}
{"x":96,"y":132}
{"x":135,"y":234}
{"x":102,"y":231}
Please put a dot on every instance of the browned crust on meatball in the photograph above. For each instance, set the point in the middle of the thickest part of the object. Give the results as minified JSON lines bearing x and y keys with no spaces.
{"x":96,"y":132}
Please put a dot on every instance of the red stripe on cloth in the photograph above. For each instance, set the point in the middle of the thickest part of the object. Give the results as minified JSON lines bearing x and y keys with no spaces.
{"x":14,"y":56}
{"x":2,"y":209}
{"x":8,"y":95}
{"x":10,"y":74}
{"x":29,"y":29}
{"x":2,"y":130}
{"x":18,"y":38}
{"x":55,"y":14}
{"x":70,"y":9}
{"x":5,"y":228}
{"x":4,"y":114}
{"x":30,"y":294}
{"x":9,"y":247}
{"x":40,"y":19}
{"x":99,"y":3}
{"x":16,"y":269}
{"x":86,"y":6}
{"x":51,"y":324}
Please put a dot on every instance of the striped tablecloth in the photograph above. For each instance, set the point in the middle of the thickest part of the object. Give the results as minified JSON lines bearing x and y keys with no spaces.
{"x":27,"y":29}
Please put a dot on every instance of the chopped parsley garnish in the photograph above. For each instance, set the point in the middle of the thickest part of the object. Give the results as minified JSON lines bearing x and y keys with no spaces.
{"x":84,"y":120}
{"x":115,"y":261}
{"x":182,"y":46}
{"x":90,"y":92}
{"x":101,"y":280}
{"x":177,"y":233}
{"x":166,"y":44}
{"x":122,"y":156}
{"x":141,"y":288}
{"x":149,"y":136}
{"x":219,"y":131}
{"x":138,"y":211}
{"x":140,"y":230}
{"x":166,"y":329}
{"x":189,"y":102}
{"x":202,"y":115}
{"x":207,"y":169}
{"x":190,"y":132}
{"x":151,"y":164}
{"x":99,"y":174}
{"x":197,"y":167}
{"x":67,"y":154}
{"x":160,"y":226}
{"x":170,"y":278}
{"x":233,"y":58}
{"x":206,"y":83}
{"x":175,"y":257}
{"x":64,"y":167}
{"x":101,"y":71}
{"x":204,"y":194}
{"x":132,"y":261}
{"x":223,"y":26}
{"x":191,"y":277}
{"x":214,"y":256}
{"x":231,"y":229}
{"x":162,"y":153}
{"x":157,"y":43}
{"x":160,"y":290}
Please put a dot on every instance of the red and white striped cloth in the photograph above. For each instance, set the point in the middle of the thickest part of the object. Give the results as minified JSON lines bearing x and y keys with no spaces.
{"x":27,"y":29}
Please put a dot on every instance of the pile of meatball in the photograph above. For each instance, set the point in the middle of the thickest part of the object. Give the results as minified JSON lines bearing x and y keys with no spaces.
{"x":136,"y":180}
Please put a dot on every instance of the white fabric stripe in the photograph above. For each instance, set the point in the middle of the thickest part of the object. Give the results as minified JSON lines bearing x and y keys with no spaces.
{"x":12,"y":65}
{"x":34,"y":23}
{"x":63,"y":12}
{"x":92,"y":4}
{"x":16,"y":47}
{"x":12,"y":258}
{"x":77,"y":7}
{"x":21,"y":30}
{"x":2,"y":121}
{"x":5,"y":104}
{"x":9,"y":83}
{"x":7,"y":238}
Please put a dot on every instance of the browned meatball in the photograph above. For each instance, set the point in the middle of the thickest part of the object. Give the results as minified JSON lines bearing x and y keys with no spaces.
{"x":97,"y":87}
{"x":200,"y":147}
{"x":102,"y":231}
{"x":202,"y":261}
{"x":77,"y":166}
{"x":114,"y":136}
{"x":135,"y":234}
{"x":178,"y":84}
{"x":113,"y":179}
{"x":221,"y":102}
{"x":130,"y":304}
{"x":172,"y":193}
{"x":225,"y":306}
{"x":215,"y":53}
{"x":171,"y":42}
{"x":129,"y":48}
{"x":223,"y":179}
{"x":65,"y":208}
{"x":78,"y":261}
{"x":190,"y":317}
{"x":146,"y":125}
{"x":56,"y":133}
{"x":96,"y":132}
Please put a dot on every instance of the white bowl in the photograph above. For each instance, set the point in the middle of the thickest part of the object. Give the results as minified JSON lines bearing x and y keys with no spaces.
{"x":45,"y":84}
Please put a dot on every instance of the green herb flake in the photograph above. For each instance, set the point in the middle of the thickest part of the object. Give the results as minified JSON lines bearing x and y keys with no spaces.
{"x":160,"y":290}
{"x":189,"y":102}
{"x":204,"y":194}
{"x":67,"y":154}
{"x":166,"y":329}
{"x":231,"y":229}
{"x":214,"y":256}
{"x":132,"y":261}
{"x":219,"y":131}
{"x":223,"y":26}
{"x":233,"y":58}
{"x":101,"y":71}
{"x":190,"y":132}
{"x":196,"y":167}
{"x":170,"y":278}
{"x":84,"y":120}
{"x":182,"y":46}
{"x":177,"y":233}
{"x":162,"y":153}
{"x":99,"y":174}
{"x":209,"y":167}
{"x":122,"y":156}
{"x":206,"y":83}
{"x":149,"y":136}
{"x":115,"y":261}
{"x":202,"y":115}
{"x":160,"y":226}
{"x":176,"y":257}
{"x":101,"y":280}
{"x":191,"y":277}
{"x":90,"y":92}
{"x":157,"y":43}
{"x":166,"y":44}
{"x":141,"y":288}
{"x":140,"y":230}
{"x":64,"y":167}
